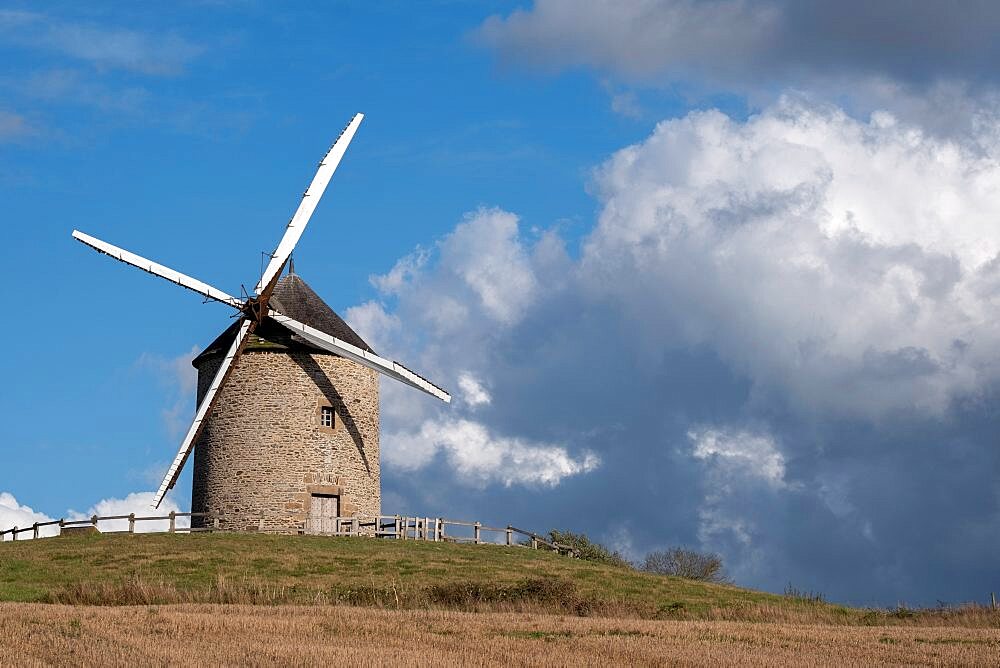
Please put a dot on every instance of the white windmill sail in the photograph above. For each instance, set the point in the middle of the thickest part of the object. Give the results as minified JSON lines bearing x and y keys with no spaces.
{"x":362,"y":357}
{"x":246,"y":328}
{"x":156,"y":269}
{"x":311,"y":197}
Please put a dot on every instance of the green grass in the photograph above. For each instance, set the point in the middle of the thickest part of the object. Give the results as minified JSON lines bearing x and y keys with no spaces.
{"x":303,"y":565}
{"x":269,"y":569}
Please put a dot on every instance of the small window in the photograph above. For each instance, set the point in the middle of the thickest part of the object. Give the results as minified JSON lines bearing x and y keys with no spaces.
{"x":326,"y":416}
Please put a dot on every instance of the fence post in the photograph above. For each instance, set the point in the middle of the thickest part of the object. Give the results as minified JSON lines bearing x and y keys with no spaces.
{"x":993,"y":599}
{"x":93,"y":520}
{"x":510,"y":536}
{"x":131,"y":522}
{"x":173,"y":521}
{"x":34,"y":533}
{"x":61,"y":524}
{"x":215,"y":522}
{"x":396,"y":523}
{"x":14,"y":533}
{"x":476,"y":532}
{"x":534,"y":542}
{"x":439,"y":527}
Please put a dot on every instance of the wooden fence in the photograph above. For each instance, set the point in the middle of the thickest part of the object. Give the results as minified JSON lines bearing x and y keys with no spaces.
{"x":398,"y":527}
{"x":90,"y":524}
{"x":435,"y":529}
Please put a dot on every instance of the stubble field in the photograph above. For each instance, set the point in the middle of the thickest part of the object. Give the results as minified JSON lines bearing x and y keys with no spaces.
{"x":205,"y":634}
{"x":244,"y":599}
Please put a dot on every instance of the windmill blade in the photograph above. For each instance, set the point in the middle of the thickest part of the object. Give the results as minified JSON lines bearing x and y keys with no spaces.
{"x":362,"y":357}
{"x":156,"y":269}
{"x":310,"y":199}
{"x":246,"y":328}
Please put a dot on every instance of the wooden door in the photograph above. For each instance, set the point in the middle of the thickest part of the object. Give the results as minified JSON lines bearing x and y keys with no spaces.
{"x":323,"y":512}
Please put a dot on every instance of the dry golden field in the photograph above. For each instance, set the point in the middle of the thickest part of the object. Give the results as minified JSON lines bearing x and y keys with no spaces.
{"x":204,"y":634}
{"x":248,"y":599}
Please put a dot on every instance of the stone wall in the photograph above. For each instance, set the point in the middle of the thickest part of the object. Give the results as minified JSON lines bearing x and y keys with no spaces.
{"x":263,"y":451}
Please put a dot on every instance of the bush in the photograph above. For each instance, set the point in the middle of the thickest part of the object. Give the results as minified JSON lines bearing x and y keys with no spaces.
{"x":686,"y":564}
{"x":589,"y":550}
{"x":804,"y":596}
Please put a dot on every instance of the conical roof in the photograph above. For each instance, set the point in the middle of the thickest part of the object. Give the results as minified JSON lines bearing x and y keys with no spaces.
{"x":293,"y":297}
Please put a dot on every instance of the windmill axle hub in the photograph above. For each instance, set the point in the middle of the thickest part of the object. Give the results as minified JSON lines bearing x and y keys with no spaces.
{"x":254,"y":310}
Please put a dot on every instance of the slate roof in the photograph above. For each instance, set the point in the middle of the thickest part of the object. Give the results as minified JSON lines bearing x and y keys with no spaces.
{"x":292,"y":297}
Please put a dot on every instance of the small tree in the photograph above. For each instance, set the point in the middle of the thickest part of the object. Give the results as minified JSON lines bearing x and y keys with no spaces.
{"x":685,"y":563}
{"x":589,"y":550}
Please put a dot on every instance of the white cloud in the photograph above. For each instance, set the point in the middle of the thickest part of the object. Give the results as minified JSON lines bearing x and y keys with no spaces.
{"x":844,"y":267}
{"x":738,"y":452}
{"x":848,"y":265}
{"x":473,"y":392}
{"x":483,"y":281}
{"x":403,"y":271}
{"x":483,"y":271}
{"x":828,"y":280}
{"x":138,"y":503}
{"x":744,"y":470}
{"x":480,"y":457}
{"x":14,"y":514}
{"x":841,"y":267}
{"x":372,"y":323}
{"x":485,"y":254}
{"x":102,"y":46}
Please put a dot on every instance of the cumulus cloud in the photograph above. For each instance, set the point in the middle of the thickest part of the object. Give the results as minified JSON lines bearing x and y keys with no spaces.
{"x":484,"y":281}
{"x":480,"y":458}
{"x":777,"y":341}
{"x":473,"y":392}
{"x":740,"y":454}
{"x":743,"y":468}
{"x":14,"y":514}
{"x":752,"y":41}
{"x":138,"y":503}
{"x":848,"y":264}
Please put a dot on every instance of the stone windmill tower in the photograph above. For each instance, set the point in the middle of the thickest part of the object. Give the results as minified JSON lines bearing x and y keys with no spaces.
{"x":287,"y":428}
{"x":293,"y":438}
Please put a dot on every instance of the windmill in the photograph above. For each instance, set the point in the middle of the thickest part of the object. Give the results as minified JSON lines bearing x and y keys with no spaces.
{"x":347,"y":357}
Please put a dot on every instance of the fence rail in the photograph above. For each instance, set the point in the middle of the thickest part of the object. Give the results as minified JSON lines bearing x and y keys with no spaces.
{"x":92,"y":521}
{"x":398,"y":527}
{"x":402,"y":527}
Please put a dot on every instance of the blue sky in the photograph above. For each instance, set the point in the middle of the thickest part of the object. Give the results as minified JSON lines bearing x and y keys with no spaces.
{"x":716,"y":274}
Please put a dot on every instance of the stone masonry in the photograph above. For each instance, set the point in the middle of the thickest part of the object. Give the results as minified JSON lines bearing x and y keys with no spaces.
{"x":264,"y":452}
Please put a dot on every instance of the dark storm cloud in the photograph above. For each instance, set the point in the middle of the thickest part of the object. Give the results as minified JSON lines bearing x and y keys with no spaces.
{"x":755,"y":42}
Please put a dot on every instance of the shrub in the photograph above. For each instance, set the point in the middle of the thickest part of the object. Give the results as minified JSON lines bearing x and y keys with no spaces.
{"x":589,"y":550}
{"x":706,"y":567}
{"x":804,"y":596}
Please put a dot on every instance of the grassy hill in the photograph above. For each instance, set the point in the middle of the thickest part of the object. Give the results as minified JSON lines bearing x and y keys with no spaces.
{"x":268,"y":569}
